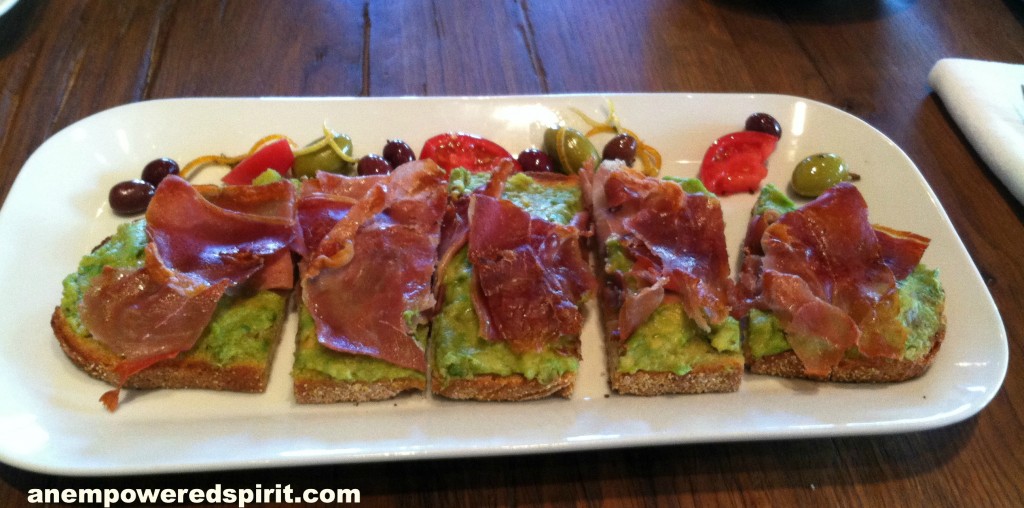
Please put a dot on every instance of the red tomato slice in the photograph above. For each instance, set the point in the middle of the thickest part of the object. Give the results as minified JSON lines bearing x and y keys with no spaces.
{"x":459,"y":150}
{"x":276,"y":155}
{"x":736,"y":162}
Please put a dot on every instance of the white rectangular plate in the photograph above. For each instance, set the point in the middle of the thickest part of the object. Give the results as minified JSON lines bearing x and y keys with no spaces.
{"x":51,"y":420}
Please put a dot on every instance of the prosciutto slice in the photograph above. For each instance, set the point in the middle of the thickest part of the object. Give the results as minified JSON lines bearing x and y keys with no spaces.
{"x":455,"y":224}
{"x":901,"y":250}
{"x":229,"y":236}
{"x":199,"y":248}
{"x":371,"y":248}
{"x":677,"y":238}
{"x":529,"y":274}
{"x":824,"y":275}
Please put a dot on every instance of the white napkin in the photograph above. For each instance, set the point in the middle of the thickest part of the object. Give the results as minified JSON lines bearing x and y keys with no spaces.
{"x":986,"y":100}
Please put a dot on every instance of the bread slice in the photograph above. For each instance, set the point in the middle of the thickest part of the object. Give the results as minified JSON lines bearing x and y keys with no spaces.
{"x":467,"y":366}
{"x":766,"y":344}
{"x":226,"y":357}
{"x":707,"y":370}
{"x":371,"y":307}
{"x":323,"y":376}
{"x":666,"y":353}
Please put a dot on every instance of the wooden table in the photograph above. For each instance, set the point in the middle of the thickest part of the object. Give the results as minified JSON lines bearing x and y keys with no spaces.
{"x":61,"y":61}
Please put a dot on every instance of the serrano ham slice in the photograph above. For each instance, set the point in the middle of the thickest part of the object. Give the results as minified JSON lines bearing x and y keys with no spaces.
{"x":455,"y":224}
{"x":680,"y":237}
{"x":371,"y":245}
{"x":199,"y":237}
{"x":147,"y":315}
{"x":824,"y":275}
{"x":529,"y":274}
{"x":901,"y":250}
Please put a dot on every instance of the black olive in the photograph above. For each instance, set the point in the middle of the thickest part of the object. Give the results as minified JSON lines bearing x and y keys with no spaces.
{"x":398,"y":152}
{"x":373,"y":164}
{"x":130,"y":197}
{"x":763,"y":122}
{"x":158,"y":169}
{"x":621,"y":147}
{"x":533,"y":159}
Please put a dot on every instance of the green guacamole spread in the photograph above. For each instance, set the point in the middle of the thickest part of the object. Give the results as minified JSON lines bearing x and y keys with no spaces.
{"x":921,"y":302}
{"x":669,"y":340}
{"x":552,"y":202}
{"x":458,"y":351}
{"x":312,"y":357}
{"x":243,"y":328}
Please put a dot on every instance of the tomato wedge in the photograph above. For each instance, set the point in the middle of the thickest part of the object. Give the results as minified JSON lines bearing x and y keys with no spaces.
{"x":276,"y":155}
{"x":737,"y":162}
{"x":459,"y":150}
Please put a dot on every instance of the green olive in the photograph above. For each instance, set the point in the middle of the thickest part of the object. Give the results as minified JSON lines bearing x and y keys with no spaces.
{"x":818,"y":173}
{"x":569,"y":149}
{"x":325,"y":159}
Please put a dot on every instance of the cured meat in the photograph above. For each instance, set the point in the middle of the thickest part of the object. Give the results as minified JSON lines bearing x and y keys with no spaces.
{"x":529,"y":274}
{"x":819,"y":332}
{"x":147,"y":315}
{"x":455,"y":224}
{"x":197,"y":251}
{"x":901,"y":250}
{"x":196,"y":236}
{"x":370,"y":259}
{"x":679,"y":236}
{"x":822,"y":265}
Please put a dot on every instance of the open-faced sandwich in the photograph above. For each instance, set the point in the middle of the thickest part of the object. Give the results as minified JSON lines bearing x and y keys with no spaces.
{"x":511,"y":282}
{"x":192,"y":296}
{"x":665,"y":287}
{"x":369,"y":252}
{"x":826,"y":295}
{"x":461,"y":271}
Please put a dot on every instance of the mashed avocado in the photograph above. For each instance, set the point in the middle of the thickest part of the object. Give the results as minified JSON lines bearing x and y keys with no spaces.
{"x":554,"y":202}
{"x":921,"y":301}
{"x":125,"y":249}
{"x":243,"y":328}
{"x":669,"y":341}
{"x":311,"y":356}
{"x":689,"y":185}
{"x":458,"y":351}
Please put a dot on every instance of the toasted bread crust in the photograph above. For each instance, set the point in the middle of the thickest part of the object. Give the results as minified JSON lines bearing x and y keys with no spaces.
{"x":661,"y":383}
{"x":494,"y":388}
{"x":884,"y":370}
{"x":648,"y":384}
{"x":329,"y":391}
{"x":182,"y":372}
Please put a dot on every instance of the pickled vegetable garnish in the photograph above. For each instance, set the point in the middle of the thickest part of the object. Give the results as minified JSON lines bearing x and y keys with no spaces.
{"x":331,"y":146}
{"x":650,"y":159}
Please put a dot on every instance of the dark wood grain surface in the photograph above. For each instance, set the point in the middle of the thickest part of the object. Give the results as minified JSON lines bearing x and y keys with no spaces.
{"x":61,"y":61}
